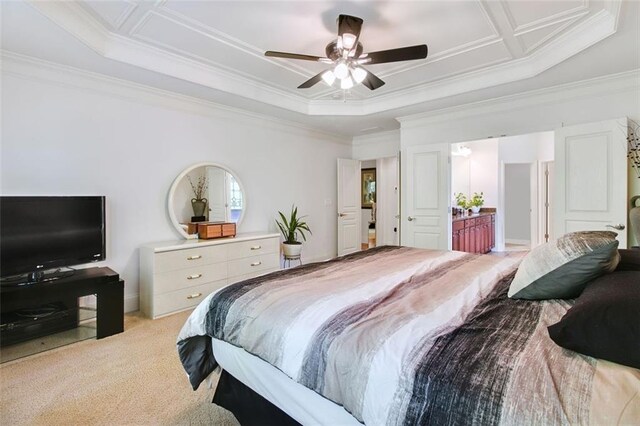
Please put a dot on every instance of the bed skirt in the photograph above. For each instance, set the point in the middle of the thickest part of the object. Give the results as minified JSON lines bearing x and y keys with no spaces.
{"x":247,"y":406}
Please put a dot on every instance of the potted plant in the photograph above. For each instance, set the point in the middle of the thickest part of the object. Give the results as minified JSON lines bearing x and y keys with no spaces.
{"x":461,"y":200}
{"x":476,"y":202}
{"x":291,"y":228}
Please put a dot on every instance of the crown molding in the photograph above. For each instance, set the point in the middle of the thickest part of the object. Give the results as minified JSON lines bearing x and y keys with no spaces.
{"x":609,"y":84}
{"x":380,"y":137}
{"x":36,"y":69}
{"x":80,"y":23}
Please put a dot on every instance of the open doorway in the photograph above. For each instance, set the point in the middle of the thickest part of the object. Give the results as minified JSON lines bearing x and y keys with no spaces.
{"x":509,"y":173}
{"x":379,"y":202}
{"x":517,"y":206}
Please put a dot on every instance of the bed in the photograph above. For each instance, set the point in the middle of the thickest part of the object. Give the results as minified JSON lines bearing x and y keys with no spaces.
{"x":398,"y":335}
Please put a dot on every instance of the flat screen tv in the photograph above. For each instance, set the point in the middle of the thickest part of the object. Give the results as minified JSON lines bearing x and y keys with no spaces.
{"x":41,"y":233}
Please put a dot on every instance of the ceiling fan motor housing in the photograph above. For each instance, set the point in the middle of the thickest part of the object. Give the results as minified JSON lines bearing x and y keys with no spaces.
{"x":334,"y":53}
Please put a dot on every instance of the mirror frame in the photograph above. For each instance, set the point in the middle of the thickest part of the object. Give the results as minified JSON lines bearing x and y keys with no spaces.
{"x":176,"y":182}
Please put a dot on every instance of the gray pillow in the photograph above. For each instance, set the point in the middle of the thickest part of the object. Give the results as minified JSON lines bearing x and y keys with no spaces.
{"x":561,"y":269}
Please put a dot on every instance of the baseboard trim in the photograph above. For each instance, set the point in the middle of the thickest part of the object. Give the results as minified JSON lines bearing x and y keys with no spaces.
{"x":519,"y":242}
{"x":131,"y":303}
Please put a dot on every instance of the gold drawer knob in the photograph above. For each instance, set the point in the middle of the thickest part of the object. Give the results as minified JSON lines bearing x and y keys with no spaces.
{"x":194,"y":257}
{"x":194,"y":277}
{"x":256,"y":247}
{"x":194,"y":296}
{"x":256,"y":263}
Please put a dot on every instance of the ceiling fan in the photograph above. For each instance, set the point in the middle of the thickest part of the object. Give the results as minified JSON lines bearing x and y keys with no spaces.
{"x":346,"y":55}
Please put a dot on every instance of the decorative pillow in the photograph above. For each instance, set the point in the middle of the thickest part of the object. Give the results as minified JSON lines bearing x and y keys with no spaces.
{"x":629,"y":260}
{"x":560,"y":269}
{"x":605,"y":320}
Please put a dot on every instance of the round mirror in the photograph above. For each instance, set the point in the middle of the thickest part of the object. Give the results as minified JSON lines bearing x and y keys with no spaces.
{"x":205,"y":192}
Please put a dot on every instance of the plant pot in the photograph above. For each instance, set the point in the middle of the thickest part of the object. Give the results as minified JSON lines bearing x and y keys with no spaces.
{"x":291,"y":249}
{"x":475,"y":209}
{"x":199,"y":205}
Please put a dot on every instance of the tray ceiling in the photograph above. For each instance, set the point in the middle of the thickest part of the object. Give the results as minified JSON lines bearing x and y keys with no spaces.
{"x":220,"y":44}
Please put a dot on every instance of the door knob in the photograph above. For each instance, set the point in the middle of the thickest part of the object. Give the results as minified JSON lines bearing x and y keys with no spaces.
{"x":342,"y":214}
{"x":410,"y":218}
{"x":619,"y":227}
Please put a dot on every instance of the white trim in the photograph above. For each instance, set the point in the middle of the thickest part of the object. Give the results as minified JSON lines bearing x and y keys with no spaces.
{"x":40,"y":70}
{"x":518,"y":242}
{"x":608,"y":84}
{"x":131,"y":303}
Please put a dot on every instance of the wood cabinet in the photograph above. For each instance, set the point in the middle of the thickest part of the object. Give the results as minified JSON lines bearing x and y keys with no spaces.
{"x":175,"y":276}
{"x":474,"y":234}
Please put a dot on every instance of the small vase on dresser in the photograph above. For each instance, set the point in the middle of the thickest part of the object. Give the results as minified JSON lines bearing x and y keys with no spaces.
{"x":199,"y":205}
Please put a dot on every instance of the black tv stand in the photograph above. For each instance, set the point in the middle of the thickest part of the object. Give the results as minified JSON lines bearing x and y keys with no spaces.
{"x":103,"y":282}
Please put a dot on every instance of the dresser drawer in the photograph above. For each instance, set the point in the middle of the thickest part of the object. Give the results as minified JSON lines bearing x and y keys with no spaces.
{"x":250,"y":265}
{"x":246,"y":249}
{"x":181,"y":259}
{"x":184,"y":298}
{"x":182,"y":278}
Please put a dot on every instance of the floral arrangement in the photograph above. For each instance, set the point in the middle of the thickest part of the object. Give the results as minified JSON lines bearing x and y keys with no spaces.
{"x":461,"y":200}
{"x":199,"y":187}
{"x":477,"y":200}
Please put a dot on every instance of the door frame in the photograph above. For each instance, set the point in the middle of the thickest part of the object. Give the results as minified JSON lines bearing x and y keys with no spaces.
{"x":534,"y":206}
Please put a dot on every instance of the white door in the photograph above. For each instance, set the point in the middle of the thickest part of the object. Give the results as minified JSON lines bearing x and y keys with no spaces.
{"x":349,"y":206}
{"x":590,"y":191}
{"x":217,"y":194}
{"x":426,"y":197}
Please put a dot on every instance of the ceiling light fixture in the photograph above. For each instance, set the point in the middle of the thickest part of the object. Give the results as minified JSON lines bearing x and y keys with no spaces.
{"x":329,"y":77}
{"x":358,"y":74}
{"x":347,"y":55}
{"x":341,"y":70}
{"x":346,"y":83}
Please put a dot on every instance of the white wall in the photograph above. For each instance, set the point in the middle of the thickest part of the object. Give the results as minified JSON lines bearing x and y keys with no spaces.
{"x":477,"y":172}
{"x":517,"y":203}
{"x":58,"y":138}
{"x":376,"y":145}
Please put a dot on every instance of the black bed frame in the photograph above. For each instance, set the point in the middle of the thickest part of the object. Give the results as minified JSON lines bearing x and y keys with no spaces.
{"x":247,"y":406}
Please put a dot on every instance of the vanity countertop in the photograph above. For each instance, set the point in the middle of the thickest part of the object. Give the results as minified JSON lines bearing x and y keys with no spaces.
{"x":471,"y":216}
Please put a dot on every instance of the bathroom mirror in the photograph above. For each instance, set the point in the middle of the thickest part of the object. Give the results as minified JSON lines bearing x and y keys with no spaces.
{"x":205,"y":192}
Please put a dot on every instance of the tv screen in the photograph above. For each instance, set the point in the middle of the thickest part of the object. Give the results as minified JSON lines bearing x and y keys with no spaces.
{"x":39,"y":233}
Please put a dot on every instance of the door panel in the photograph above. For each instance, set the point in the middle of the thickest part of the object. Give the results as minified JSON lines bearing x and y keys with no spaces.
{"x":349,"y":216}
{"x":590,"y":190}
{"x":426,"y":205}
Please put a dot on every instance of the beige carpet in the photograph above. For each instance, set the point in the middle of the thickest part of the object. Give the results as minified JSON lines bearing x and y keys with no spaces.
{"x":131,"y":378}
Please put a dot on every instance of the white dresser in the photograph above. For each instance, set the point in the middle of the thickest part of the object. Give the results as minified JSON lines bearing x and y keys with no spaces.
{"x":177,"y":275}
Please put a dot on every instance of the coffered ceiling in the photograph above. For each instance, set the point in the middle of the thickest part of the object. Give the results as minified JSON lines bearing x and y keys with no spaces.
{"x":218,"y":46}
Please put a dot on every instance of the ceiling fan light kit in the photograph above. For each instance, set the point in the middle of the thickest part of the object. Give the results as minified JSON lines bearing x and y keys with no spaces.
{"x":346,"y":55}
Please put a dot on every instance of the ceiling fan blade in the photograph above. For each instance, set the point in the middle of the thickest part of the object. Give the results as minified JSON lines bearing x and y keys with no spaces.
{"x":312,"y":81}
{"x":371,"y":81}
{"x":349,"y":24}
{"x":293,"y":56}
{"x":396,"y":55}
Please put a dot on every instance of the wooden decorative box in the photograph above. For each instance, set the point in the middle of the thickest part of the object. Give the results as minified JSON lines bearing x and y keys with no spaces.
{"x":208,"y":230}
